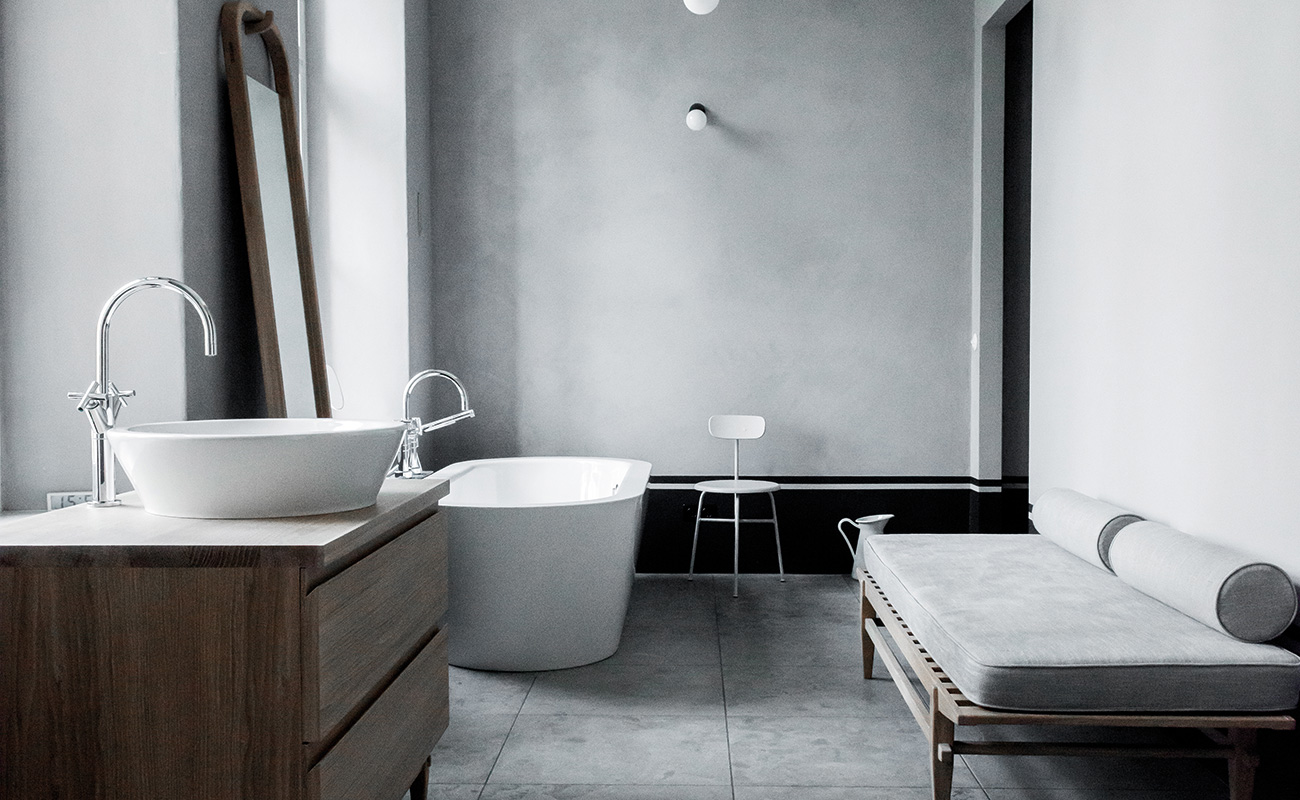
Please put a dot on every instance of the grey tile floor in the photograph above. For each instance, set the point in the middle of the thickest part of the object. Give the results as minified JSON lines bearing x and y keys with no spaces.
{"x":759,"y":697}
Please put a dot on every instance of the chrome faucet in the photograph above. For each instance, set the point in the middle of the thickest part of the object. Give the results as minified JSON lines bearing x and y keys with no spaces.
{"x":407,"y":462}
{"x":102,"y":400}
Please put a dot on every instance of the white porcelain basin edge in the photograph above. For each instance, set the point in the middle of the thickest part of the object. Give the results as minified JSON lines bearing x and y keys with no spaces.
{"x":256,"y":468}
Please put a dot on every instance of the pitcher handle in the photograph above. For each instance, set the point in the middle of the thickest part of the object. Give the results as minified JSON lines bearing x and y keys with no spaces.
{"x":839,"y":526}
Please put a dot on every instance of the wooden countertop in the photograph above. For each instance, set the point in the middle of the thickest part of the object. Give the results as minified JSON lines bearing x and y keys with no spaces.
{"x":127,"y":535}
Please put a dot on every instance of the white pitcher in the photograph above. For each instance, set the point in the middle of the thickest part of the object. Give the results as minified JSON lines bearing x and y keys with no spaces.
{"x":867,"y":526}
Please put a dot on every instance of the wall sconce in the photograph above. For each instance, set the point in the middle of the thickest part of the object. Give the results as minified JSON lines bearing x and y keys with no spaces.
{"x":701,"y":6}
{"x":697,"y":117}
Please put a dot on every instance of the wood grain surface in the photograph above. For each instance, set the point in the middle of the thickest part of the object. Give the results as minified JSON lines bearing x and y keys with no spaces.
{"x":129,"y":536}
{"x":142,"y":683}
{"x":152,"y":657}
{"x":404,"y":724}
{"x":370,"y":619}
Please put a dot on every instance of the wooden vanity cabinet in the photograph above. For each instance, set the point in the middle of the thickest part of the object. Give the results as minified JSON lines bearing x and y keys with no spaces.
{"x":146,"y":657}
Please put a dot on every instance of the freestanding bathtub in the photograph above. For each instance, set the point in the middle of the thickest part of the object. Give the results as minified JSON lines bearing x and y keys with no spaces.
{"x":541,"y":553}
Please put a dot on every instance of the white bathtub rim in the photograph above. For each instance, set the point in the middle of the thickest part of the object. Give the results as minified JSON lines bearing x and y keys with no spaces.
{"x":632,"y":486}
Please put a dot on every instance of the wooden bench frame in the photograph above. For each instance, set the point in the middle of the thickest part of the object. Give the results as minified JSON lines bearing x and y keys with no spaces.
{"x":1232,"y":736}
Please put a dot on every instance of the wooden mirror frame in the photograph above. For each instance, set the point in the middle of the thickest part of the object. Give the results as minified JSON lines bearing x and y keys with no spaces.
{"x":254,"y":22}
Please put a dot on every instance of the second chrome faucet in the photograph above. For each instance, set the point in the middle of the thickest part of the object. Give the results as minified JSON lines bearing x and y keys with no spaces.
{"x":407,"y":462}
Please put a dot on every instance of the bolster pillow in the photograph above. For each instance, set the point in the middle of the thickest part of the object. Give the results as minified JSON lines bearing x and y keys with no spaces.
{"x":1220,"y":587}
{"x":1080,"y":524}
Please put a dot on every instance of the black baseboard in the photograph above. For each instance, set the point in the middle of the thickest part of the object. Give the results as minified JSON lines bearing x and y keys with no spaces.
{"x":808,"y":510}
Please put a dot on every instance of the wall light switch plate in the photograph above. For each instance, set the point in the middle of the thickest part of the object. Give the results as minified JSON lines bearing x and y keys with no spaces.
{"x":56,"y":500}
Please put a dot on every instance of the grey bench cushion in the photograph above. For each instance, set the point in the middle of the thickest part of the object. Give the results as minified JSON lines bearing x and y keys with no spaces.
{"x":1022,"y":625}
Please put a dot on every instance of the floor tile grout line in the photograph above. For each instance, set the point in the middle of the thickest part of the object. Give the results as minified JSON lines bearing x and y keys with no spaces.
{"x":979,"y":783}
{"x":725,"y":608}
{"x":511,"y":730}
{"x":722,"y":675}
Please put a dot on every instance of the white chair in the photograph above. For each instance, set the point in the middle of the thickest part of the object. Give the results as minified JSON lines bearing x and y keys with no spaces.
{"x":736,"y":427}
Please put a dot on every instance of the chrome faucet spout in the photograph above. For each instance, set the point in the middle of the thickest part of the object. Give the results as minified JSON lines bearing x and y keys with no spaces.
{"x":406,"y":464}
{"x":139,"y":285}
{"x":102,"y":400}
{"x":419,"y":377}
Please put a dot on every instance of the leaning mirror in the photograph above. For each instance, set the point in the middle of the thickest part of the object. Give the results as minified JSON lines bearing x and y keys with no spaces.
{"x":274,"y":200}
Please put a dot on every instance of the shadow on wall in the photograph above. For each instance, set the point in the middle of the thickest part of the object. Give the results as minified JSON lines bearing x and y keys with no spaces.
{"x":469,"y":325}
{"x":233,"y":387}
{"x":760,"y":143}
{"x":215,"y":250}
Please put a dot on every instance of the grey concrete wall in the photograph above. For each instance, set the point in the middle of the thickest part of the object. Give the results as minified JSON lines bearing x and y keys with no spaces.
{"x":91,"y":179}
{"x":419,"y":180}
{"x":433,"y":399}
{"x":604,"y":279}
{"x":1165,"y":340}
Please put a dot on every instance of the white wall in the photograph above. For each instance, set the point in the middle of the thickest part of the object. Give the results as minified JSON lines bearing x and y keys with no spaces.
{"x":355,"y":101}
{"x":91,"y":186}
{"x":1166,"y":191}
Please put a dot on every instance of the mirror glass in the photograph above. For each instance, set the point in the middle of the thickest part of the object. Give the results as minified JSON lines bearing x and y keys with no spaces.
{"x":281,"y":250}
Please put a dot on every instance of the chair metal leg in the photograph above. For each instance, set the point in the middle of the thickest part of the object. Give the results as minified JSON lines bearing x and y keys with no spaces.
{"x":690,"y":575}
{"x":780,"y":565}
{"x":735,"y":572}
{"x":735,"y":521}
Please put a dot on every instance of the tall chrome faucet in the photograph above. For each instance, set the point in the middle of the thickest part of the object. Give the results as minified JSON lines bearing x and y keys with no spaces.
{"x":407,"y":462}
{"x":102,"y":400}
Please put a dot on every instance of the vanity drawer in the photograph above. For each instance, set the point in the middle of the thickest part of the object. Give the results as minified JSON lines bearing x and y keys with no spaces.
{"x":383,"y":751}
{"x":361,"y":624}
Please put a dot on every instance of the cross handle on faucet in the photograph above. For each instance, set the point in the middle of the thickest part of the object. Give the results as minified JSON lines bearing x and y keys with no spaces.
{"x":92,"y":399}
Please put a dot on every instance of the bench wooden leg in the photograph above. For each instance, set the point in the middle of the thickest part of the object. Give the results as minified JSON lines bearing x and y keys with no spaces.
{"x":1242,"y":764}
{"x":868,"y":647}
{"x":420,"y":788}
{"x":942,"y":734}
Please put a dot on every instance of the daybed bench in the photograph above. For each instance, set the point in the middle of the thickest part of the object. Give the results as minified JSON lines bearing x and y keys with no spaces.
{"x":1038,"y":630}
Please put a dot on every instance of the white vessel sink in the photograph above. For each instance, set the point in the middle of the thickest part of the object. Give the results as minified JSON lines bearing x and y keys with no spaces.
{"x":252,"y":468}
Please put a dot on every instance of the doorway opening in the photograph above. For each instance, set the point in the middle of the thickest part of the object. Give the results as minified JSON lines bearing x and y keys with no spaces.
{"x":1016,"y":163}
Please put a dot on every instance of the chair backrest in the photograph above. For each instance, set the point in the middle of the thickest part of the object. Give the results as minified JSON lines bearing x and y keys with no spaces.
{"x":736,"y":426}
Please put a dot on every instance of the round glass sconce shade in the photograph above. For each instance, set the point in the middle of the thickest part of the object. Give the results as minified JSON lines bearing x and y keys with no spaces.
{"x":701,"y":6}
